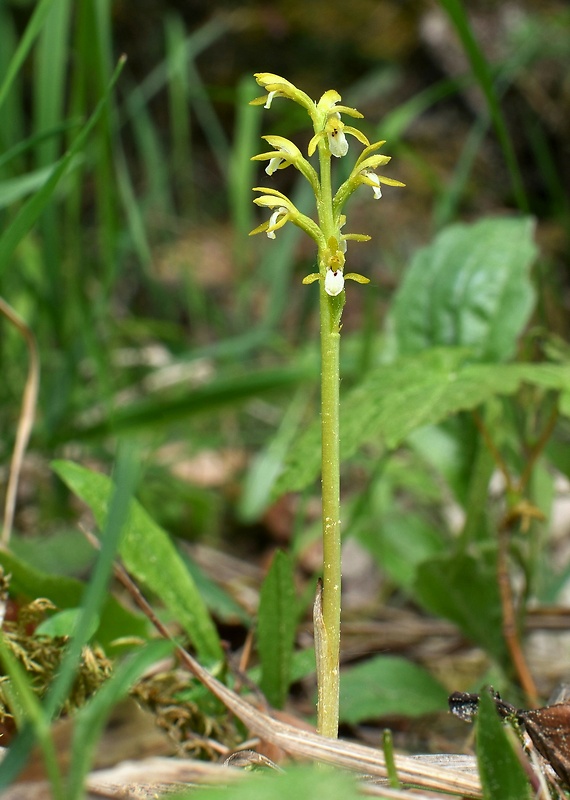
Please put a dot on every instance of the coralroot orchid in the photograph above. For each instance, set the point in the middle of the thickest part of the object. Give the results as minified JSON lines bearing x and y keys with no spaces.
{"x":329,"y":140}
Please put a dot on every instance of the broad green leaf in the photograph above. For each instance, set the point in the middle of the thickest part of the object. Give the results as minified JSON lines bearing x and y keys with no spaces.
{"x":500,"y":770}
{"x":400,"y":542}
{"x":387,"y":685}
{"x":276,"y":629}
{"x":470,"y":287}
{"x":297,"y":782}
{"x":397,"y":399}
{"x":150,"y":557}
{"x":222,"y":604}
{"x":63,"y":624}
{"x":28,"y":582}
{"x":464,"y":590}
{"x":303,"y":664}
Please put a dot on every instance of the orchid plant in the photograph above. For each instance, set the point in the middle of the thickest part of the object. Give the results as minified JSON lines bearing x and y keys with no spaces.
{"x":330,"y":139}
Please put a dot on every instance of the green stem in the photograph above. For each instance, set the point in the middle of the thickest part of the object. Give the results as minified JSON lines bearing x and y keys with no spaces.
{"x":331,"y":310}
{"x":328,"y":678}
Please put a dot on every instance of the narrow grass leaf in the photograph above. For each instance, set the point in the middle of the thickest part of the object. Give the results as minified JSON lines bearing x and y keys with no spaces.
{"x":150,"y":557}
{"x":90,"y":720}
{"x":92,"y":602}
{"x":49,"y":86}
{"x":33,"y":28}
{"x":276,"y":629}
{"x":14,"y":189}
{"x":28,"y":214}
{"x":165,"y":409}
{"x":502,"y":775}
{"x":28,"y":711}
{"x":458,"y":15}
{"x":268,"y":463}
{"x":127,"y":472}
{"x":386,"y":685}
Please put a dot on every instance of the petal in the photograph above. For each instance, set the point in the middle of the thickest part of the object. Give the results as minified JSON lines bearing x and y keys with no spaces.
{"x":276,"y":221}
{"x":270,"y":79}
{"x":314,"y":142}
{"x":269,"y":100}
{"x":390,"y":181}
{"x":351,"y":112}
{"x":328,"y":100}
{"x":334,"y":282}
{"x":357,"y":134}
{"x":283,"y":144}
{"x":273,"y":165}
{"x":373,"y":162}
{"x":355,"y":276}
{"x":338,"y":143}
{"x":374,"y":181}
{"x":266,"y":201}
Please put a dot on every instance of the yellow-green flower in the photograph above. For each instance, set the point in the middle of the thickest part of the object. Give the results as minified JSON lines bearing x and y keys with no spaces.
{"x":283,"y":211}
{"x":328,"y":123}
{"x":286,"y":152}
{"x":277,"y":86}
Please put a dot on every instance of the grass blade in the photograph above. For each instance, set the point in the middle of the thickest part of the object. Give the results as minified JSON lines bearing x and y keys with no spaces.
{"x":29,"y":213}
{"x":455,"y":9}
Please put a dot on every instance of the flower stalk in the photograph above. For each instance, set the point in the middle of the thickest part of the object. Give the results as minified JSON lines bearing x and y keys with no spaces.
{"x":329,"y":141}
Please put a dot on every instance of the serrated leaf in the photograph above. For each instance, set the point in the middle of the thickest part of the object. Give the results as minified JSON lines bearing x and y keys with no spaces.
{"x":470,"y":287}
{"x":396,"y":399}
{"x":150,"y":557}
{"x":464,"y":590}
{"x":501,"y":773}
{"x":276,"y":629}
{"x":387,"y":685}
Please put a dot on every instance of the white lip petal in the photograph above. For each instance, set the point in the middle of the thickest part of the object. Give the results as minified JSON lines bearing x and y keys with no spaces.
{"x":274,"y":220}
{"x":334,"y":282}
{"x":273,"y":165}
{"x":269,"y":100}
{"x":338,"y":143}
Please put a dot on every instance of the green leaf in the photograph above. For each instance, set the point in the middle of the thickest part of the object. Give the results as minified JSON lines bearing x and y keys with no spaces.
{"x":501,"y":773}
{"x":166,"y":408}
{"x":64,"y":622}
{"x":30,"y":211}
{"x":397,"y":399}
{"x":298,"y":782}
{"x":387,"y":685}
{"x":28,"y":582}
{"x":464,"y":590}
{"x":30,"y":715}
{"x":276,"y":629}
{"x":91,"y":718}
{"x":470,"y":287}
{"x":400,"y":542}
{"x":150,"y":557}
